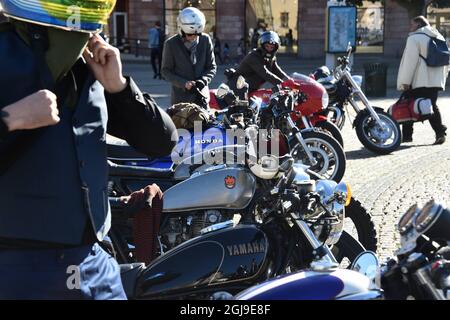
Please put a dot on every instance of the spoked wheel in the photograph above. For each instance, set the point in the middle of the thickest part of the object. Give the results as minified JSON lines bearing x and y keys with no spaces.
{"x":381,"y":139}
{"x":328,"y":153}
{"x":332,"y":129}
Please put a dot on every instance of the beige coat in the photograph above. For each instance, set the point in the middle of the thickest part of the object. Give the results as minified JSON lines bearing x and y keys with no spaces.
{"x":413,"y":69}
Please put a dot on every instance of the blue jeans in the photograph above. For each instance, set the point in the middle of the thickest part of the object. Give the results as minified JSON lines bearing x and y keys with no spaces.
{"x":86,"y":272}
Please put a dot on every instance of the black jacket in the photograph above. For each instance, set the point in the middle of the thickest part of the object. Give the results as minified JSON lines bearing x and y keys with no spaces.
{"x":257,"y":69}
{"x":58,"y":185}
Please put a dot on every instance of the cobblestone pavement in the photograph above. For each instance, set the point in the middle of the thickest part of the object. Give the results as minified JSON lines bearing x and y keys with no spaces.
{"x":386,"y":185}
{"x":389,"y":185}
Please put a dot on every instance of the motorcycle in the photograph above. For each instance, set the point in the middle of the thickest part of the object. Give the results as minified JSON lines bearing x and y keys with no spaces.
{"x":310,"y":113}
{"x":421,"y":270}
{"x":309,"y":146}
{"x":261,"y":228}
{"x":320,"y":151}
{"x":314,"y":148}
{"x":126,"y":178}
{"x":375,"y":128}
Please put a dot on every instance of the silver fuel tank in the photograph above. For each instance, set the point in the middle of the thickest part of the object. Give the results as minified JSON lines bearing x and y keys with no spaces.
{"x":224,"y":188}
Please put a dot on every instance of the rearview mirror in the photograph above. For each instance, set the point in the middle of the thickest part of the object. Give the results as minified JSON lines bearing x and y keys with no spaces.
{"x":367,"y":264}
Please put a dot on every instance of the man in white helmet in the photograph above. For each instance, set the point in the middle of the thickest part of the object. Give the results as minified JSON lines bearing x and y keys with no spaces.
{"x":188,"y":59}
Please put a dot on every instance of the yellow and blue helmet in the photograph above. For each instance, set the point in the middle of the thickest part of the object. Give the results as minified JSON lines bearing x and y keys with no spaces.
{"x":74,"y":15}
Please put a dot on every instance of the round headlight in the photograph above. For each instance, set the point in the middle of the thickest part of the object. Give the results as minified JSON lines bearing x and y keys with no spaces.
{"x":325,"y":188}
{"x":345,"y":191}
{"x":358,"y":80}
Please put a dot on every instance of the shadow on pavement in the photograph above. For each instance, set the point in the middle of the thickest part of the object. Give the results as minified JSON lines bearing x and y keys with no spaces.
{"x":366,"y":154}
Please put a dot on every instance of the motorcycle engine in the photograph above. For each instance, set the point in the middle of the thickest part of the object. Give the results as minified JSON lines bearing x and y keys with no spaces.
{"x":183,"y":227}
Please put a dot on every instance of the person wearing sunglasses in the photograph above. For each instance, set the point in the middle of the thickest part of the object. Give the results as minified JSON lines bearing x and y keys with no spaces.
{"x":62,"y":90}
{"x":188,"y":60}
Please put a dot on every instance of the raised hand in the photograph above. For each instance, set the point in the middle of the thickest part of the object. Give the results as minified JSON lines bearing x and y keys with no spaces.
{"x":104,"y":61}
{"x":34,"y":111}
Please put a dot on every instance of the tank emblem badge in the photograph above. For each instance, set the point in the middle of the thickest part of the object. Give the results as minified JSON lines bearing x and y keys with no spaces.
{"x":230,"y":182}
{"x":247,"y":248}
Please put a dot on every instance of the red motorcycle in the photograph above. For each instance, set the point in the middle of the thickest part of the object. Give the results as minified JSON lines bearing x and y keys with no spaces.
{"x":310,"y":114}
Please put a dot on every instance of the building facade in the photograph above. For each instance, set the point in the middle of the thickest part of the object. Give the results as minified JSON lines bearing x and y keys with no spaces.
{"x":302,"y":24}
{"x":382,"y":28}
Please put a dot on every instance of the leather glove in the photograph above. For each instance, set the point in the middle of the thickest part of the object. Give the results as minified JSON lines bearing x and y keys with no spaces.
{"x":200,"y":84}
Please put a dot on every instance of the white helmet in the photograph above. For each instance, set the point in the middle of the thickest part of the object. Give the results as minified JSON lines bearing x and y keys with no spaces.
{"x":191,"y":21}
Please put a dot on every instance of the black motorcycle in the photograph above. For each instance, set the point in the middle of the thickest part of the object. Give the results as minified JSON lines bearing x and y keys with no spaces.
{"x":422,"y":267}
{"x":290,"y":223}
{"x":179,"y":228}
{"x":375,"y":128}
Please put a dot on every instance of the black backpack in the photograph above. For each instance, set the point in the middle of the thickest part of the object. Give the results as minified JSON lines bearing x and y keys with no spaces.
{"x":438,"y":52}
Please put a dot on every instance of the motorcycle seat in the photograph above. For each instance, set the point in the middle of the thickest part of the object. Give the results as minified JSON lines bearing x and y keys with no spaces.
{"x":129,"y":274}
{"x":116,"y":170}
{"x":123,"y":151}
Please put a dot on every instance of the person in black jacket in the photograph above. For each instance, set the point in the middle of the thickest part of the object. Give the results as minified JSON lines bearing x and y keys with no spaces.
{"x":61,"y":92}
{"x":261,"y":65}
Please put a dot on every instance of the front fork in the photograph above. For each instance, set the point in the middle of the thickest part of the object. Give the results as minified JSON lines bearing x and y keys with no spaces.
{"x":323,"y":257}
{"x":299,"y":137}
{"x":357,"y":90}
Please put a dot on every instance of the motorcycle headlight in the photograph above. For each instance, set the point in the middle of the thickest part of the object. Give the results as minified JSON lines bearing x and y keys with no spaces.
{"x":326,"y":189}
{"x":344,"y":191}
{"x":358,"y":80}
{"x":334,"y":196}
{"x":325,"y":100}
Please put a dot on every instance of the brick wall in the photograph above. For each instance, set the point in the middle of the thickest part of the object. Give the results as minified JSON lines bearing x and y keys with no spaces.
{"x":230,"y":22}
{"x":312,"y":26}
{"x":311,"y":17}
{"x":396,"y":29}
{"x":230,"y":17}
{"x":142,"y":16}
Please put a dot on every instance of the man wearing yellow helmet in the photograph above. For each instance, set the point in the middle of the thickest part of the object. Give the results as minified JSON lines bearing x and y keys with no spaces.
{"x":62,"y":89}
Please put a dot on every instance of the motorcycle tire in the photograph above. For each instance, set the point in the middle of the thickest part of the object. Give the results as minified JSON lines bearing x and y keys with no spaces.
{"x":327,"y":152}
{"x":366,"y":129}
{"x":331,"y":128}
{"x":362,"y":220}
{"x":347,"y":247}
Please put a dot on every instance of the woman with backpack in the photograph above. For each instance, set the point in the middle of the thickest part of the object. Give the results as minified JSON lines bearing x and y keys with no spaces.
{"x":423,"y":72}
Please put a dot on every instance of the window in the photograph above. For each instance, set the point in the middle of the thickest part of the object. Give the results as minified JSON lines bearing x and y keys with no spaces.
{"x":370,"y":28}
{"x":173,"y":8}
{"x":280,"y":16}
{"x":440,"y":19}
{"x":284,"y":19}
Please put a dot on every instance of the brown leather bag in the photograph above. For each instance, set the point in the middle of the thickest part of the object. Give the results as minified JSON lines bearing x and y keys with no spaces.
{"x":184,"y":115}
